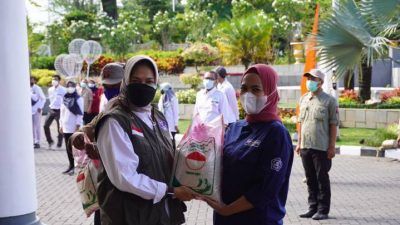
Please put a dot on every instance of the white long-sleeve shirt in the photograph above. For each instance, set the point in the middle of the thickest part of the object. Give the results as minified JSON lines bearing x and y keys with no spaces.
{"x":69,"y":121}
{"x":56,"y":95}
{"x":103,"y":102}
{"x":230,"y":94}
{"x":121,"y":162}
{"x":171,"y":112}
{"x":212,"y":104}
{"x":38,"y":96}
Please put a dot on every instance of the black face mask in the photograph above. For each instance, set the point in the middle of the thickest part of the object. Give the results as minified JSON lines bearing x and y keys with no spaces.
{"x":162,"y":92}
{"x":140,"y":95}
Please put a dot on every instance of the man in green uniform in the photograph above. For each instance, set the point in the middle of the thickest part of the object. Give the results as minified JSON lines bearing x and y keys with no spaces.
{"x":316,"y":145}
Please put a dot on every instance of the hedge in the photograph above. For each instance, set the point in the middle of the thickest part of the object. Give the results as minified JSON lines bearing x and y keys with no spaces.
{"x":43,"y":76}
{"x":43,"y":62}
{"x":375,"y":106}
{"x":168,"y":62}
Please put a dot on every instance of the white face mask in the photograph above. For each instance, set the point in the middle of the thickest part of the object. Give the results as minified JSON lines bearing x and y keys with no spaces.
{"x":208,"y":84}
{"x":91,"y":85}
{"x":83,"y":84}
{"x":70,"y":90}
{"x":254,"y":104}
{"x":54,"y":82}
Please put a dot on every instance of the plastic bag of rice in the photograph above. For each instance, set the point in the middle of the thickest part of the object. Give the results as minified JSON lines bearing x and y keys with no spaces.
{"x":198,"y":159}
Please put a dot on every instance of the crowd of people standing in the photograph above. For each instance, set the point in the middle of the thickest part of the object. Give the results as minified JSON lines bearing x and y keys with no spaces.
{"x":135,"y":142}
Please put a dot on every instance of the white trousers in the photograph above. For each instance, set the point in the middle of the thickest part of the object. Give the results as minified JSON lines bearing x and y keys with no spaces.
{"x":36,"y":119}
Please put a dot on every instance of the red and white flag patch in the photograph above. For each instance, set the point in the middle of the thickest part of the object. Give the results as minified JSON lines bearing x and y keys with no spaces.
{"x":137,"y":131}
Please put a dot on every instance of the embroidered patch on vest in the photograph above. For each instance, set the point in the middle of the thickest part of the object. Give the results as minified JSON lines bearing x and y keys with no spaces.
{"x":276,"y":164}
{"x":163,"y":125}
{"x":137,"y":131}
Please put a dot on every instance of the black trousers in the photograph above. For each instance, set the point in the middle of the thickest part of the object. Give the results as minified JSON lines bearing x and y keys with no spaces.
{"x":173,"y":140}
{"x":97,"y":218}
{"x":53,"y":114}
{"x":69,"y":149}
{"x":317,"y":165}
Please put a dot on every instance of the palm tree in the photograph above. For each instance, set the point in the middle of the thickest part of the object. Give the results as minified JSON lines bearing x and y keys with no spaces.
{"x":245,"y":40}
{"x":355,"y":35}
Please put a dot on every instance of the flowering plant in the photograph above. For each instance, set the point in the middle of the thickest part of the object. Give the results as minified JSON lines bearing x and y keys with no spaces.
{"x":200,"y":54}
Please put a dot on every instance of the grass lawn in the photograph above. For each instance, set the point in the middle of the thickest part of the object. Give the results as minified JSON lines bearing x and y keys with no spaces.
{"x":348,"y":136}
{"x":183,"y":125}
{"x":352,"y":136}
{"x":287,"y":105}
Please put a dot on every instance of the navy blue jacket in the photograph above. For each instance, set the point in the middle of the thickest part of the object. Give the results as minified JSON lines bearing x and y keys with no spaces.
{"x":257,"y":162}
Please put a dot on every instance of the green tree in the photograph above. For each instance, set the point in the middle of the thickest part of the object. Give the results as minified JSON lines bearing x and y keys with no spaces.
{"x":62,"y":7}
{"x":353,"y":37}
{"x":35,"y":39}
{"x":222,"y":8}
{"x":246,"y":40}
{"x":125,"y":33}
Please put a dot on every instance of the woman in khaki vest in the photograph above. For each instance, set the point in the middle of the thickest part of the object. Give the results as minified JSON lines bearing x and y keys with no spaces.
{"x":137,"y":155}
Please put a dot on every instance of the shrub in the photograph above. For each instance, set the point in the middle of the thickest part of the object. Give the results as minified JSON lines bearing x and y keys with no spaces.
{"x":394,"y":100}
{"x":381,"y":135}
{"x":43,"y":62}
{"x":289,"y":124}
{"x":186,"y":96}
{"x":349,"y":95}
{"x":95,"y":68}
{"x":287,"y":112}
{"x":194,"y":80}
{"x":169,"y":62}
{"x":43,"y":76}
{"x":385,"y":96}
{"x":200,"y":54}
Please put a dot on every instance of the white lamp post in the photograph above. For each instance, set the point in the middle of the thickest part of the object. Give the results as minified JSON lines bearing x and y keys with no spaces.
{"x":17,"y":167}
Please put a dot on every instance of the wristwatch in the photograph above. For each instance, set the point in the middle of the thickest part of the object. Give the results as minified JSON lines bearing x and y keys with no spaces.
{"x":170,"y":192}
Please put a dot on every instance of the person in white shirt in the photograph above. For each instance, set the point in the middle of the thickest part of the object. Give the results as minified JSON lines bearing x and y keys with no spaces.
{"x":111,"y":76}
{"x":169,"y":106}
{"x":210,"y":102}
{"x":137,"y":155}
{"x":87,"y":97}
{"x":226,"y":87}
{"x":71,"y":119}
{"x":37,"y":99}
{"x":56,"y":95}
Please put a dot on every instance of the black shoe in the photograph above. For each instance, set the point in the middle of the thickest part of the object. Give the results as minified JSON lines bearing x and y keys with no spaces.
{"x":308,"y":214}
{"x":320,"y":216}
{"x":50,"y":145}
{"x":68,"y":171}
{"x":72,"y":172}
{"x":59,"y":145}
{"x":36,"y":146}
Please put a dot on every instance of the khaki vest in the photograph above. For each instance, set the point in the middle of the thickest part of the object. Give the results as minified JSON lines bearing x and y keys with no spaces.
{"x":155,"y":154}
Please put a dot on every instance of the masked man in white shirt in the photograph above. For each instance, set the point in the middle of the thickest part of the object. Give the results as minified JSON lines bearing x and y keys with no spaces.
{"x":37,"y":99}
{"x":226,"y":87}
{"x":56,"y":96}
{"x":210,"y":102}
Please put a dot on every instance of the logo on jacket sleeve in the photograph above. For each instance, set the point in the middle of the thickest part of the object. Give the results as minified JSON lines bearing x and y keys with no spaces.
{"x":276,"y":164}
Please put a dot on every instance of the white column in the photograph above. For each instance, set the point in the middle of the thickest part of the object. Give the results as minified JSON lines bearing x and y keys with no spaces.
{"x":17,"y":169}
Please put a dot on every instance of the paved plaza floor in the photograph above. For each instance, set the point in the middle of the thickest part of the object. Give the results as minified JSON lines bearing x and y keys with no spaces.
{"x":365,"y":190}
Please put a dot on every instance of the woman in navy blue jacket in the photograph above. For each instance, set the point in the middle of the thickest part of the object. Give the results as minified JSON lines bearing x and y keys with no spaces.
{"x":258,"y":157}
